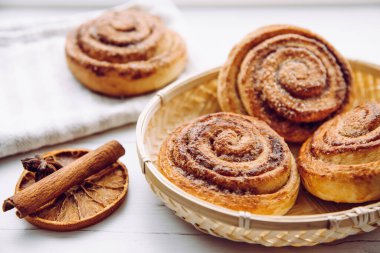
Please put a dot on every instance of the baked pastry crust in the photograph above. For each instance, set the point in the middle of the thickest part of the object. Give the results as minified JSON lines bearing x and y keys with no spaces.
{"x":234,"y":161}
{"x":125,"y":53}
{"x":287,"y":76}
{"x":340,"y":162}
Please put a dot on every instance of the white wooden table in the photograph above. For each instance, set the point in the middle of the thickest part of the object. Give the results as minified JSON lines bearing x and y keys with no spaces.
{"x":143,"y":223}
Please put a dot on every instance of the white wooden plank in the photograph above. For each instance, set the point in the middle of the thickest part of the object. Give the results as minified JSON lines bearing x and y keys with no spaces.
{"x":109,"y":241}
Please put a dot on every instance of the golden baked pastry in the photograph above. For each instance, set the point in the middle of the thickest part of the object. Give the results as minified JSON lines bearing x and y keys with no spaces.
{"x":287,"y":76}
{"x":125,"y":53}
{"x":341,"y":161}
{"x":234,"y":161}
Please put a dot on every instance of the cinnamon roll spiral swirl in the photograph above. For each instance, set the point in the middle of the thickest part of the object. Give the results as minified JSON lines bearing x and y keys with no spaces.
{"x":341,"y":161}
{"x":233,"y":161}
{"x":287,"y":76}
{"x":124,"y":53}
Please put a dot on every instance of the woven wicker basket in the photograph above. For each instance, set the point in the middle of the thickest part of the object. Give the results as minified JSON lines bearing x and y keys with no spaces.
{"x":311,"y":221}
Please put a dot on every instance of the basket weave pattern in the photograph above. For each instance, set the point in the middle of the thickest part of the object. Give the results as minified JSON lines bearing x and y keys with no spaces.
{"x":183,"y":102}
{"x":275,"y":238}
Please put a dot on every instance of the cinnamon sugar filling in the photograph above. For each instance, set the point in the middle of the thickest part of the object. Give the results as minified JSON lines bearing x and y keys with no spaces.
{"x":355,"y":131}
{"x":131,"y":43}
{"x":231,"y":153}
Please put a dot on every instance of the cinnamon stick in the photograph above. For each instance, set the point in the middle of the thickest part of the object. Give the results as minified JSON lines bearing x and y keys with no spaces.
{"x":40,"y":193}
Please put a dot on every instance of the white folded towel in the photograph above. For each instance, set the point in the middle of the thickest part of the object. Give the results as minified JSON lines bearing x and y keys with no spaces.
{"x":41,"y":103}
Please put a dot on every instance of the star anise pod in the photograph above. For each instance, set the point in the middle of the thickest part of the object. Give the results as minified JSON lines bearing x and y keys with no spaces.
{"x":42,"y":167}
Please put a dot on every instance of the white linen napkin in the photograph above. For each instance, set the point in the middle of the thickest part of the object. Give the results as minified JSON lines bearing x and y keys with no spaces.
{"x":41,"y":103}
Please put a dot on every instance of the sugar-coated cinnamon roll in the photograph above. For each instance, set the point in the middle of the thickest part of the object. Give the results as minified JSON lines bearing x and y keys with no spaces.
{"x":341,"y":161}
{"x":125,"y":53}
{"x":234,"y":161}
{"x":287,"y":76}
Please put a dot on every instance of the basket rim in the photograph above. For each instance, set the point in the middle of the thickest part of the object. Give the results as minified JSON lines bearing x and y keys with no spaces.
{"x":345,"y":218}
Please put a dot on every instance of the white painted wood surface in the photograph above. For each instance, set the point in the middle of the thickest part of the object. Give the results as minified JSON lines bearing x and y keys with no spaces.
{"x":143,"y":224}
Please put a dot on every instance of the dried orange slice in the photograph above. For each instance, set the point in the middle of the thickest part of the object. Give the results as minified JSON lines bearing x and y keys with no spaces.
{"x":82,"y":205}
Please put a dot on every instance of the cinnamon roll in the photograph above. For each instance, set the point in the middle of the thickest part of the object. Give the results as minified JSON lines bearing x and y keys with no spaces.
{"x":125,"y":53}
{"x":287,"y":76}
{"x":234,"y":161}
{"x":341,"y":161}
